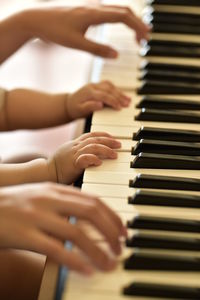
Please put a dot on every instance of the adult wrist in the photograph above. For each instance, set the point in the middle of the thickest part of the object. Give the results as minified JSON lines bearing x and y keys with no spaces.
{"x":23,"y":21}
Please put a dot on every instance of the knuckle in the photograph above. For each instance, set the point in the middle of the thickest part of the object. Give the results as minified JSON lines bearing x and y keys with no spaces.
{"x":52,"y":249}
{"x":91,"y":210}
{"x":94,"y":147}
{"x":75,"y":234}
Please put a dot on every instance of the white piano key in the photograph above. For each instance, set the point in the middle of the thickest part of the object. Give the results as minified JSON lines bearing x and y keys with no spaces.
{"x":109,"y":285}
{"x":124,"y":167}
{"x":121,"y":191}
{"x":117,"y":132}
{"x":126,"y":59}
{"x":176,"y":9}
{"x":175,"y":37}
{"x":125,"y":156}
{"x":126,"y":132}
{"x":115,"y":118}
{"x":121,"y":205}
{"x":126,"y":146}
{"x":116,"y":176}
{"x":122,"y":80}
{"x":173,"y":60}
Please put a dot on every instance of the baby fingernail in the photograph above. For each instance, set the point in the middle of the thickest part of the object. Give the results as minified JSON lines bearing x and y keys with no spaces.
{"x":114,"y":155}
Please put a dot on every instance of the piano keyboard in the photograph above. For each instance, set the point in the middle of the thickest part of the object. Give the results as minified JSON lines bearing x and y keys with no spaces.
{"x":154,"y":185}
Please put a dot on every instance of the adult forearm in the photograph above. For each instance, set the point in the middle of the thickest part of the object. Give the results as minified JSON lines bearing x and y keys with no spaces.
{"x":13,"y":34}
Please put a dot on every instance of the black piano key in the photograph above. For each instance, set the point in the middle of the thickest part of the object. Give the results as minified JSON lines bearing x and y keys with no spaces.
{"x":158,"y":115}
{"x":161,"y":147}
{"x":170,"y":51}
{"x":175,"y":2}
{"x":175,"y":28}
{"x":156,"y":87}
{"x":165,"y":182}
{"x":141,"y":261}
{"x":155,"y":290}
{"x":162,"y":103}
{"x":167,"y":134}
{"x":171,"y":44}
{"x":152,"y":198}
{"x":172,"y":17}
{"x":146,"y":65}
{"x":180,"y":77}
{"x":166,"y":224}
{"x":165,"y":161}
{"x":141,"y":240}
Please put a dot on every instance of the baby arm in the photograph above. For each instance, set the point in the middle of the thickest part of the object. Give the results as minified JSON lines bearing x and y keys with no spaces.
{"x":66,"y":164}
{"x":27,"y":109}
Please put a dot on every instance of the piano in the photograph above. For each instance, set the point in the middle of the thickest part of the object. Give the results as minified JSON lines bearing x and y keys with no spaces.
{"x":154,"y":185}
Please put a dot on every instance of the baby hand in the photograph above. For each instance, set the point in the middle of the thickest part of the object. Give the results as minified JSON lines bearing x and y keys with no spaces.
{"x":69,"y":161}
{"x":94,"y":97}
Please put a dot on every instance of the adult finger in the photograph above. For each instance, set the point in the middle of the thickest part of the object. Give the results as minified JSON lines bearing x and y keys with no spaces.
{"x":54,"y":249}
{"x":97,"y":48}
{"x":70,"y":201}
{"x":123,"y":15}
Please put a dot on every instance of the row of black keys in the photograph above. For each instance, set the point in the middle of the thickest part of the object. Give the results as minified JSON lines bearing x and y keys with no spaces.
{"x":169,"y":78}
{"x":175,"y":2}
{"x":172,"y":21}
{"x":152,"y":150}
{"x":179,"y":152}
{"x":139,"y":288}
{"x":169,"y":82}
{"x":140,"y":261}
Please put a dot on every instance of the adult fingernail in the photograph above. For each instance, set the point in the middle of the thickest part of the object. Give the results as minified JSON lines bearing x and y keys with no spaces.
{"x":118,"y":144}
{"x":127,"y":97}
{"x":111,"y":264}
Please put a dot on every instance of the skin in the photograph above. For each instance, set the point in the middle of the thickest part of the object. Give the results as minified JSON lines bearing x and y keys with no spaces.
{"x":66,"y":164}
{"x":21,"y":207}
{"x":68,"y":29}
{"x":34,"y":217}
{"x":28,"y":109}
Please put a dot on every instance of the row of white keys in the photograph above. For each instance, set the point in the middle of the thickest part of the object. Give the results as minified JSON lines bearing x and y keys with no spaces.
{"x":109,"y":286}
{"x":114,"y":172}
{"x":126,"y":212}
{"x":119,"y":118}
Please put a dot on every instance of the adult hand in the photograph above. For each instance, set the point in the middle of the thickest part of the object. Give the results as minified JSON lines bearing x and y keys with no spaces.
{"x":67,"y":26}
{"x":34,"y":217}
